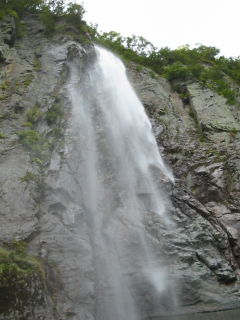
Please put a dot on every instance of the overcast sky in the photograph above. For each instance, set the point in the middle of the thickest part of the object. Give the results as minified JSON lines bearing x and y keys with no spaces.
{"x":171,"y":23}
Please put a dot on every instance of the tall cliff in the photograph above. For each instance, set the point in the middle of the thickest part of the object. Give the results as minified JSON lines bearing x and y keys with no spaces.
{"x":46,"y":265}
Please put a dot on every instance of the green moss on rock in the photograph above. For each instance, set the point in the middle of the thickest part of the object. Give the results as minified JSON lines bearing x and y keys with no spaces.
{"x":55,"y":113}
{"x":21,"y":279}
{"x":34,"y":115}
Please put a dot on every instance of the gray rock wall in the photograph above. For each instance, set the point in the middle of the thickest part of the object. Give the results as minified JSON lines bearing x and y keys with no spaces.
{"x":199,"y":139}
{"x":36,"y":183}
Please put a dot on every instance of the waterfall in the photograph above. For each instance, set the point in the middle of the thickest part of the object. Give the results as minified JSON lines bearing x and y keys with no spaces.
{"x":119,"y":169}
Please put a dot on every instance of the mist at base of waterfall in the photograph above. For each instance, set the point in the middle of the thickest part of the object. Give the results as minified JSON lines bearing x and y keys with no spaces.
{"x":117,"y":155}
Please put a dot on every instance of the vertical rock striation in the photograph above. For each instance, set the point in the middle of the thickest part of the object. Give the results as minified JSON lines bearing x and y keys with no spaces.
{"x":198,"y":137}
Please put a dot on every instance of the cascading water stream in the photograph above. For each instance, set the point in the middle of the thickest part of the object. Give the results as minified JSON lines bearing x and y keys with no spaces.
{"x":118,"y":161}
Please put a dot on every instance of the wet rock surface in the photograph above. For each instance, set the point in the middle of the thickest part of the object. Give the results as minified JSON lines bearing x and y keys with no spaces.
{"x":197,"y":141}
{"x":33,"y":73}
{"x":200,"y":141}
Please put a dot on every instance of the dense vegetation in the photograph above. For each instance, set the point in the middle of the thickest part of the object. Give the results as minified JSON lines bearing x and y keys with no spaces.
{"x":21,"y":278}
{"x":49,"y":11}
{"x":201,"y":63}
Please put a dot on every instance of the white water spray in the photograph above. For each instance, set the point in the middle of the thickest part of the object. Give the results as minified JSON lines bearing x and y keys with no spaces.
{"x":117,"y":156}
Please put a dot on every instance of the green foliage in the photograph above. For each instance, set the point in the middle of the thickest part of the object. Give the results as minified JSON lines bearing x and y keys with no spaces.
{"x":33,"y":141}
{"x":37,"y":161}
{"x":2,"y":136}
{"x":196,"y":70}
{"x":139,"y":68}
{"x":21,"y":6}
{"x":55,"y":6}
{"x":27,"y":124}
{"x":234,"y":132}
{"x":220,"y":85}
{"x":18,"y":264}
{"x":152,"y":74}
{"x":184,"y":97}
{"x":213,"y":74}
{"x":52,"y":10}
{"x":51,"y":117}
{"x":191,"y":113}
{"x":74,"y":13}
{"x":230,"y":95}
{"x":223,"y":88}
{"x":37,"y":66}
{"x":202,"y":139}
{"x":207,"y":54}
{"x":36,"y":179}
{"x":139,"y":44}
{"x":18,"y":271}
{"x":55,"y":113}
{"x":57,"y":132}
{"x":5,"y":85}
{"x":5,"y":11}
{"x":48,"y":19}
{"x":28,"y":177}
{"x":34,"y":115}
{"x":20,"y":247}
{"x":27,"y":80}
{"x":29,"y":138}
{"x":200,"y":63}
{"x":231,"y":67}
{"x":21,"y":29}
{"x":120,"y":45}
{"x":49,"y":12}
{"x":177,"y":71}
{"x":39,"y":146}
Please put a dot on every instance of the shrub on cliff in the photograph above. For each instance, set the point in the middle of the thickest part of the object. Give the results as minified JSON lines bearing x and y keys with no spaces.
{"x":200,"y":63}
{"x":177,"y":71}
{"x":21,"y":279}
{"x":49,"y":10}
{"x":20,"y":6}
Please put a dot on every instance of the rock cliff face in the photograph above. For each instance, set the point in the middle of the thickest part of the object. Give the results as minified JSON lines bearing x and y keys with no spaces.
{"x":198,"y":137}
{"x":200,"y":141}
